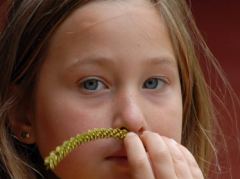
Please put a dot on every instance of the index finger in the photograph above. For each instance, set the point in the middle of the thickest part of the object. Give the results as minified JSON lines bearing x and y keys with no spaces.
{"x":137,"y":157}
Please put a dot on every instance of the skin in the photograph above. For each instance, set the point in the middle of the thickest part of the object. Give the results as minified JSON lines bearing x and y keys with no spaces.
{"x":122,"y":44}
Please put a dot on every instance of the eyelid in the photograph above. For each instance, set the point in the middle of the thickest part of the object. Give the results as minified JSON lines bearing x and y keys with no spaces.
{"x":89,"y":78}
{"x":162,"y":78}
{"x":84,"y":79}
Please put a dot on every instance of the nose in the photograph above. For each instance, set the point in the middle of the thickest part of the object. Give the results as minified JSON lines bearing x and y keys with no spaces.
{"x":129,"y":112}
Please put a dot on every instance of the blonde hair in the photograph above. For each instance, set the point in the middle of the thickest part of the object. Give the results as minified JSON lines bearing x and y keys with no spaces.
{"x":197,"y":106}
{"x":24,"y":43}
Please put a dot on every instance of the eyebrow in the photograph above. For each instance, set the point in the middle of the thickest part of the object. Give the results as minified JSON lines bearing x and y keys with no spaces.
{"x":94,"y":60}
{"x":162,"y":61}
{"x":105,"y":61}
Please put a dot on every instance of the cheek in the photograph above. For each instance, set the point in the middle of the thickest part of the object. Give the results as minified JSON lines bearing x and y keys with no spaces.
{"x":56,"y":120}
{"x":81,"y":156}
{"x":167,"y":119}
{"x":61,"y":115}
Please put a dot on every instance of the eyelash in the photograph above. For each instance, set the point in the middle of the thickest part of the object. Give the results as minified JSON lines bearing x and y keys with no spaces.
{"x":91,"y":80}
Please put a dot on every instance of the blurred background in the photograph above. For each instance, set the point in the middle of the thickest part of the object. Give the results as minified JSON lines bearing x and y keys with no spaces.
{"x":219,"y":22}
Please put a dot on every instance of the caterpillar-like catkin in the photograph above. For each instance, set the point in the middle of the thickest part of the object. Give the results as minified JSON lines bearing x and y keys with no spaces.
{"x":68,"y":146}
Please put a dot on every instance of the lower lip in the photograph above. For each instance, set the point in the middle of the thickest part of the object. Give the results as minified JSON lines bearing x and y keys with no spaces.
{"x":118,"y":160}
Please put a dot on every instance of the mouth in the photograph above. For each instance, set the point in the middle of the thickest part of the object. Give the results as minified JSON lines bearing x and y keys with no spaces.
{"x":119,"y":159}
{"x":119,"y":156}
{"x":119,"y":164}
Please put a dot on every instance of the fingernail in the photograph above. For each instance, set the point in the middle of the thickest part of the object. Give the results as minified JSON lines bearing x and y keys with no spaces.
{"x":173,"y":141}
{"x":131,"y":134}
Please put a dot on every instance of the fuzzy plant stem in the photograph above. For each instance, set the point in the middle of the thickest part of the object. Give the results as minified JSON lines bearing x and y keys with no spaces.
{"x":68,"y":146}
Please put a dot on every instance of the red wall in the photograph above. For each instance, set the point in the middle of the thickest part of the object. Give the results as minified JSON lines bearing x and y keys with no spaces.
{"x":219,"y":21}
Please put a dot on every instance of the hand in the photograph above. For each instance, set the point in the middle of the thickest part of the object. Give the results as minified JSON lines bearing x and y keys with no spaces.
{"x":163,"y":158}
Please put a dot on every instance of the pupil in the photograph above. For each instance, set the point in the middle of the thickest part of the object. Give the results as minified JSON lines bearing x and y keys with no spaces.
{"x":152,"y":83}
{"x":91,"y":84}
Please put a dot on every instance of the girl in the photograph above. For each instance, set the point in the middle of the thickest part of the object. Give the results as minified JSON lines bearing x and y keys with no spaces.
{"x":67,"y":66}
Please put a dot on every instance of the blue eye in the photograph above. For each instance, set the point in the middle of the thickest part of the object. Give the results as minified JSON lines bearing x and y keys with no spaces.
{"x":154,"y":83}
{"x":93,"y":85}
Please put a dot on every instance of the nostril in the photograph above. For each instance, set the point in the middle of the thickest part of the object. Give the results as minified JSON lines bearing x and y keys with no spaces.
{"x":141,"y":131}
{"x":124,"y":128}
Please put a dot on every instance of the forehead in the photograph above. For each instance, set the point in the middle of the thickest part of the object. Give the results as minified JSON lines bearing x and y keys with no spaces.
{"x":104,"y":27}
{"x":101,"y":11}
{"x":97,"y":13}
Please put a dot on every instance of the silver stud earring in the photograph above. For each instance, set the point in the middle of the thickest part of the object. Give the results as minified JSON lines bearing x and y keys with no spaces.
{"x":25,"y":135}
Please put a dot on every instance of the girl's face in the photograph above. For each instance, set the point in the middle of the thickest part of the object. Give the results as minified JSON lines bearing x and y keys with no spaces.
{"x":110,"y":64}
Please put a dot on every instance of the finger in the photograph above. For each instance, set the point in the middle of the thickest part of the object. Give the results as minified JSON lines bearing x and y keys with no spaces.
{"x":159,"y":155}
{"x":192,"y":163}
{"x":182,"y":169}
{"x":137,"y":157}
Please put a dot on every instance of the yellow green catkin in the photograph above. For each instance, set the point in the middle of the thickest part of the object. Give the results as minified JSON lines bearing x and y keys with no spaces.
{"x":68,"y":146}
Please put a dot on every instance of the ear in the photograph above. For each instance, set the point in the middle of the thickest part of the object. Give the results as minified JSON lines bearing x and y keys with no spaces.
{"x":22,"y":131}
{"x":20,"y":119}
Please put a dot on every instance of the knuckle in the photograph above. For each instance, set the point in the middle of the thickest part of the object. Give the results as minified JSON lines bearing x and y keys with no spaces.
{"x":160,"y":155}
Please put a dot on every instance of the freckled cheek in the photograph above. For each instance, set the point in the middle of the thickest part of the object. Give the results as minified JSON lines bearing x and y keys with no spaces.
{"x":175,"y":122}
{"x":56,"y":122}
{"x":168,"y":127}
{"x":167,"y":121}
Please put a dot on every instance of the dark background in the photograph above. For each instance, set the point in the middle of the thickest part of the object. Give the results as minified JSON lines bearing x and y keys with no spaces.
{"x":219,"y":22}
